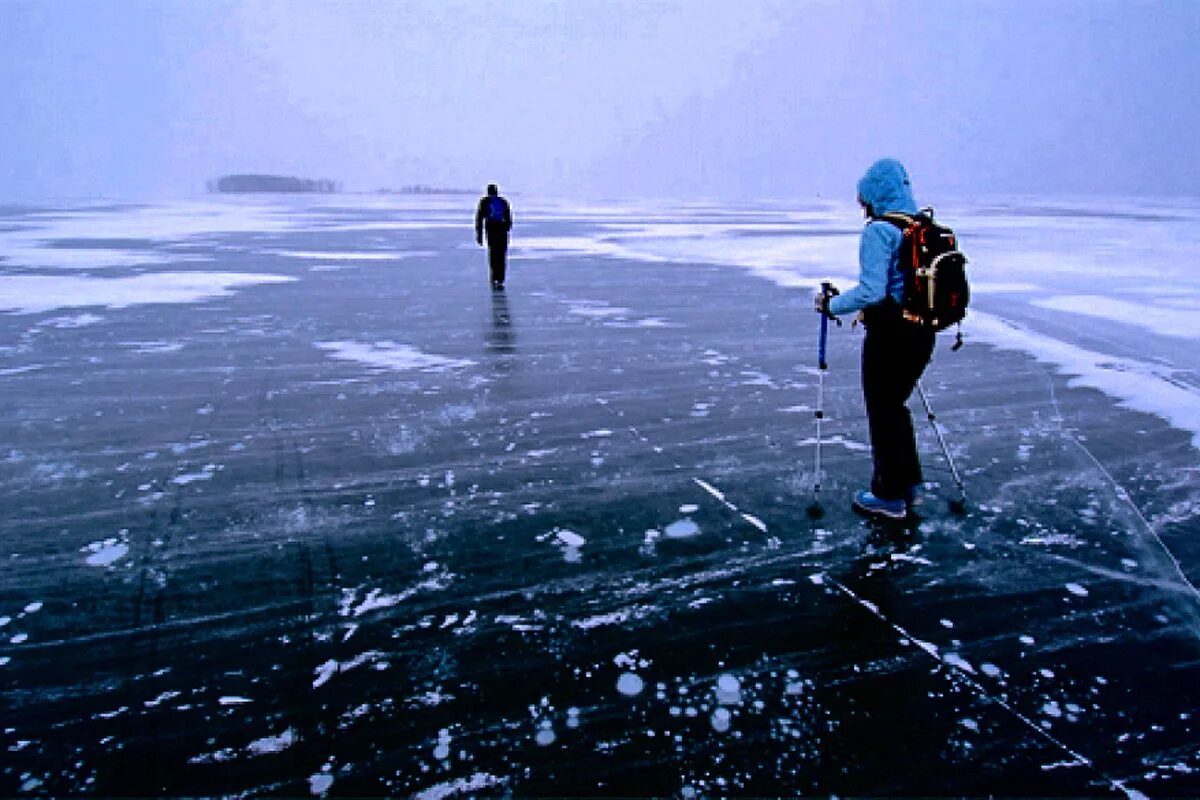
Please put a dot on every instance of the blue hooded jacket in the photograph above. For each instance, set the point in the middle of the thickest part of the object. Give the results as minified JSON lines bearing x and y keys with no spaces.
{"x":885,"y":188}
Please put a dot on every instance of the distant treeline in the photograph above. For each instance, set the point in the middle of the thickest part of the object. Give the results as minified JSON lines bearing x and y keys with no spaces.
{"x":420,"y":188}
{"x":271,"y":183}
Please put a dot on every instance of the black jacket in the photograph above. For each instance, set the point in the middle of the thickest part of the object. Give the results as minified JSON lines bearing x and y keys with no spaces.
{"x":496,"y":226}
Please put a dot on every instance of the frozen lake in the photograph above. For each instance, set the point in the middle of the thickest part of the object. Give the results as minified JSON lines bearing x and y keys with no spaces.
{"x":294,"y":504}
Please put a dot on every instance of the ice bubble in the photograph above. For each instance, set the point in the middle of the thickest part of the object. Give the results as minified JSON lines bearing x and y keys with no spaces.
{"x":689,"y":508}
{"x":1077,"y":590}
{"x":1026,"y":639}
{"x":442,"y":751}
{"x":319,"y":783}
{"x":721,"y":719}
{"x":991,"y":670}
{"x":572,"y":717}
{"x":545,"y":735}
{"x":681,"y":529}
{"x":570,"y":538}
{"x":630,"y":685}
{"x":729,"y":690}
{"x":33,"y":607}
{"x":107,"y":554}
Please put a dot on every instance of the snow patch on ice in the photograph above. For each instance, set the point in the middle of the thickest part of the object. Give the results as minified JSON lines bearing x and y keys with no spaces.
{"x":32,"y":294}
{"x":1156,"y":320}
{"x":386,"y":355}
{"x":1136,"y":385}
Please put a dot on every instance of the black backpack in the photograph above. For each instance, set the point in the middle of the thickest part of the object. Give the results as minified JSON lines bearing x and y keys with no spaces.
{"x":935,"y":271}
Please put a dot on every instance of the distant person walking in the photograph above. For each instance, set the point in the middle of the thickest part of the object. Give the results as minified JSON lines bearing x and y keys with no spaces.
{"x":494,"y":215}
{"x":895,"y":350}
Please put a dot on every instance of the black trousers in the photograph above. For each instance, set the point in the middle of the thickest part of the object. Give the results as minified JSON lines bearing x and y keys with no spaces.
{"x":894,"y":355}
{"x":497,"y":242}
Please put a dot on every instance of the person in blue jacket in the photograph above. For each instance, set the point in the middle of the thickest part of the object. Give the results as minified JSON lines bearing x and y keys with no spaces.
{"x":895,"y":351}
{"x":495,"y":216}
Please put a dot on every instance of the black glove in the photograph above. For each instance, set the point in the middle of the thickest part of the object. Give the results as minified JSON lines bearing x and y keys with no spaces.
{"x":821,"y":299}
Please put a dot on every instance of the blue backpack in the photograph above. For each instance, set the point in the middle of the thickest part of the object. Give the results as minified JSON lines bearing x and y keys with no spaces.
{"x":495,"y":210}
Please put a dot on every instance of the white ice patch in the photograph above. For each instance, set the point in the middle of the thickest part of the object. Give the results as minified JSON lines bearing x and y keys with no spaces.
{"x":32,"y":294}
{"x":840,"y":440}
{"x":107,"y":552}
{"x":1137,"y":385}
{"x":75,"y":321}
{"x":1054,"y":540}
{"x":21,"y":370}
{"x":319,"y":255}
{"x":388,"y":355}
{"x":594,"y":309}
{"x":1147,"y":316}
{"x":204,"y":474}
{"x":1077,"y":590}
{"x":272,"y":744}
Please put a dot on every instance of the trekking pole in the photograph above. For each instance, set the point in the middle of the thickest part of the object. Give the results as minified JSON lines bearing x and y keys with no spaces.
{"x":814,"y":510}
{"x":957,"y":506}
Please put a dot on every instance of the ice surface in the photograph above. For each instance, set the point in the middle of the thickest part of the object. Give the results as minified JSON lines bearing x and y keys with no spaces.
{"x":380,"y":531}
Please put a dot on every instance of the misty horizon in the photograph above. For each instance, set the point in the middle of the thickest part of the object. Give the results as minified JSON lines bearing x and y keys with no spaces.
{"x":766,"y":100}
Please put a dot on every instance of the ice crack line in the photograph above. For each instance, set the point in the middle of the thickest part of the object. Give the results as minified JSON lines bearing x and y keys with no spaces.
{"x":1077,"y":758}
{"x":705,"y":485}
{"x":1121,"y":492}
{"x":720,"y":496}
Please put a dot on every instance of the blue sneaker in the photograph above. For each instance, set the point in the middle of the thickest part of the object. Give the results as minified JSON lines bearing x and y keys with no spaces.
{"x":872,"y":506}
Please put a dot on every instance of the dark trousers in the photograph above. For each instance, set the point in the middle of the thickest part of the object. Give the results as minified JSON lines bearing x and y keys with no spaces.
{"x":497,"y":241}
{"x":894,"y":355}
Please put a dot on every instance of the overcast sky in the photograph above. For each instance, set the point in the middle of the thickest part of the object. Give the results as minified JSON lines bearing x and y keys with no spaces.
{"x":719,"y":99}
